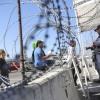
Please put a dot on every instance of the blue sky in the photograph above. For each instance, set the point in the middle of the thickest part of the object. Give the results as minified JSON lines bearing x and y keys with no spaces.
{"x":28,"y":19}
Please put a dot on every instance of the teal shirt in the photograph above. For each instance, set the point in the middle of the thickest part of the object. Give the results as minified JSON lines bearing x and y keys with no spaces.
{"x":38,"y":61}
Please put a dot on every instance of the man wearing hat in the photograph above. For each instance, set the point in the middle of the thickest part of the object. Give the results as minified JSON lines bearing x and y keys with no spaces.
{"x":96,"y":53}
{"x":40,"y":57}
{"x":72,"y":52}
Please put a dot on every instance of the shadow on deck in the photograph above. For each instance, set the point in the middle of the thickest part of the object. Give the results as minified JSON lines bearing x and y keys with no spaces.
{"x":93,"y":90}
{"x":94,"y":96}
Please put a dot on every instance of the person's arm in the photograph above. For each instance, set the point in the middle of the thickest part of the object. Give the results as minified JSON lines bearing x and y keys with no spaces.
{"x":45,"y":57}
{"x":1,"y":64}
{"x":42,"y":55}
{"x":90,"y":47}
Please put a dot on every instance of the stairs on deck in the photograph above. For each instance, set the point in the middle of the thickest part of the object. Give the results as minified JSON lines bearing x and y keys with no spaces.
{"x":94,"y":91}
{"x":94,"y":96}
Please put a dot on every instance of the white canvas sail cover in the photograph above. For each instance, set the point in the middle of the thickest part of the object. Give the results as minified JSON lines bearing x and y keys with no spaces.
{"x":87,"y":13}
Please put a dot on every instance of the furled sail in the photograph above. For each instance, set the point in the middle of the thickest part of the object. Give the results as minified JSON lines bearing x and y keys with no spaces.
{"x":87,"y":13}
